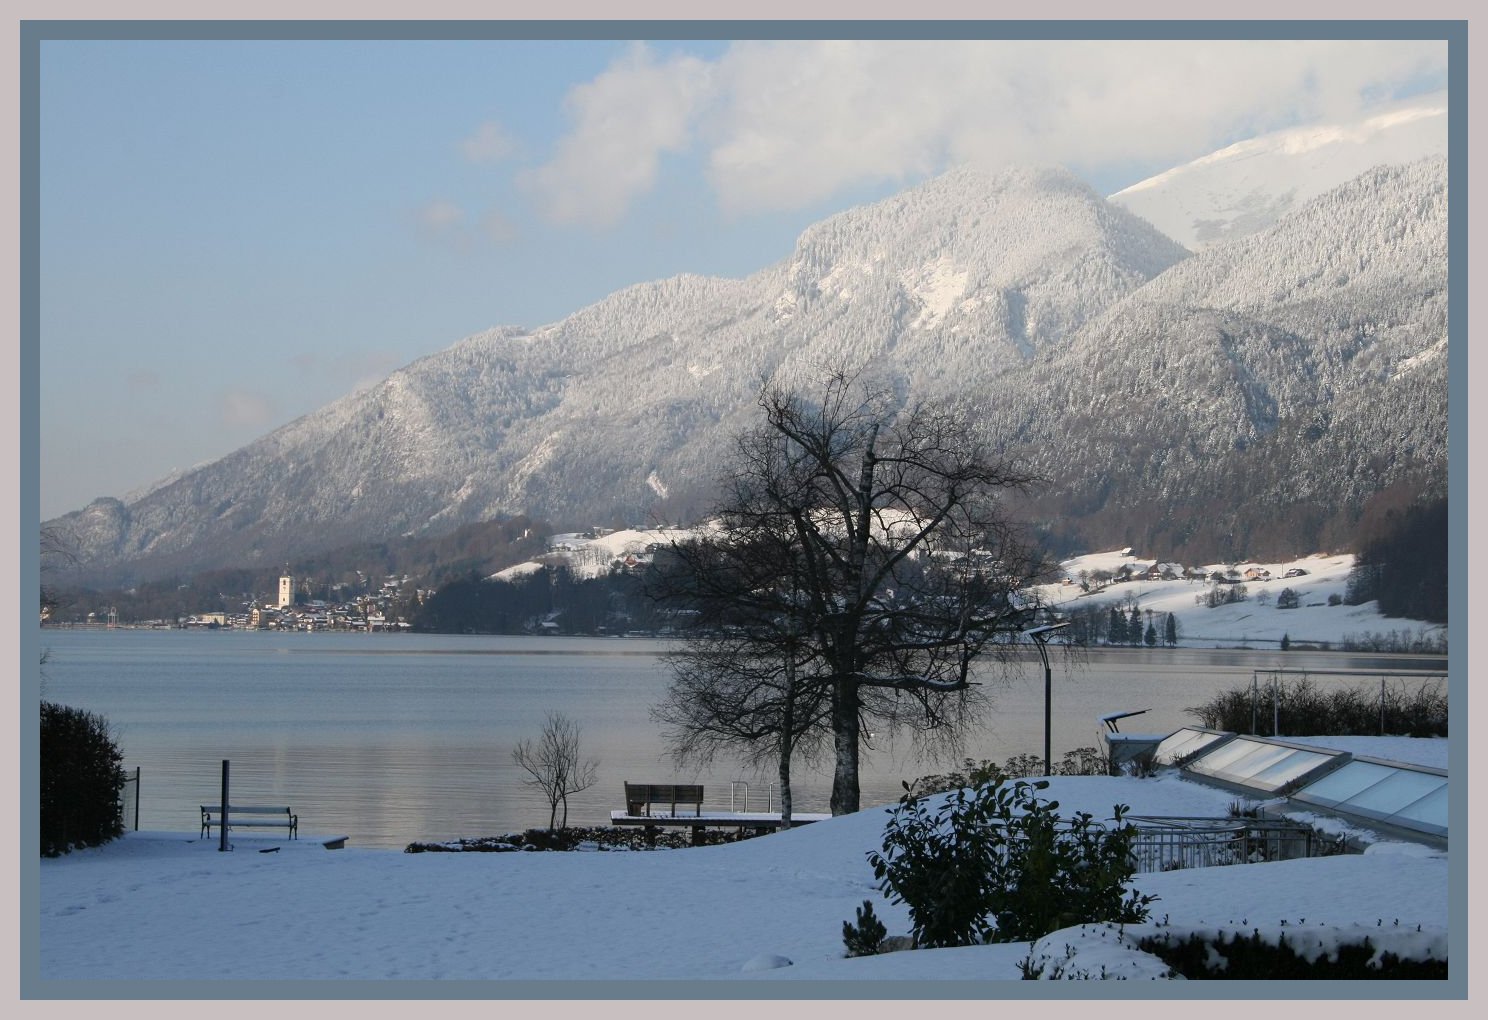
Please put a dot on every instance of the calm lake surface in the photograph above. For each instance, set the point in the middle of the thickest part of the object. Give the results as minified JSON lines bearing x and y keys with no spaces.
{"x":393,"y":738}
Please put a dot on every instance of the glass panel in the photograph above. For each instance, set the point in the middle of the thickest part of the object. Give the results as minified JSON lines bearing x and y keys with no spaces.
{"x":1261,"y":760}
{"x":1252,"y":758}
{"x":1259,"y":763}
{"x":1405,"y":797}
{"x":1339,"y":786}
{"x":1183,"y":743}
{"x":1428,"y":814}
{"x":1396,"y":791}
{"x":1221,"y":758}
{"x":1293,"y":767}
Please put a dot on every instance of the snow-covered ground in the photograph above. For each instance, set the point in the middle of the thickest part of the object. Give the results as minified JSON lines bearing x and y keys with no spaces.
{"x":592,"y":555}
{"x":1255,"y":622}
{"x":172,"y":907}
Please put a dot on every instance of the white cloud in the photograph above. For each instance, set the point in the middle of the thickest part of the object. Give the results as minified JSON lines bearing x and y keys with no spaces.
{"x":782,"y":124}
{"x":624,"y":121}
{"x":489,"y":143}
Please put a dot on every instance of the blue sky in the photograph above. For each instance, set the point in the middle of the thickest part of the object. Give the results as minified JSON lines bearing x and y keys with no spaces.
{"x":235,"y":233}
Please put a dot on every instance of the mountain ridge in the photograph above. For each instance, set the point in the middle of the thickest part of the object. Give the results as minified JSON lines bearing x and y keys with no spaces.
{"x":984,"y":288}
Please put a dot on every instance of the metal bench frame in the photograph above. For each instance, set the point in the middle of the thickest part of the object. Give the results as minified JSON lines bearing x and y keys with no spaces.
{"x":211,"y":814}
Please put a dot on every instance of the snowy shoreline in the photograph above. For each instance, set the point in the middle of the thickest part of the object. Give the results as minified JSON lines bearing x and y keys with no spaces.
{"x":171,"y":907}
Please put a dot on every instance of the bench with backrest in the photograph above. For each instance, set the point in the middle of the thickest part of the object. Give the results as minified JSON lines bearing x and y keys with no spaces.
{"x":256,"y":818}
{"x":639,"y":798}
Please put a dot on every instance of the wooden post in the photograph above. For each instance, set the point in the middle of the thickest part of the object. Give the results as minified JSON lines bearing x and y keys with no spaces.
{"x":136,"y":797}
{"x":222,"y":813}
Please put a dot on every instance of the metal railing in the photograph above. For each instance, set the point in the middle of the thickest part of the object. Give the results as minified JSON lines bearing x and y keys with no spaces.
{"x":734,"y":795}
{"x":129,"y":800}
{"x":1168,"y":843}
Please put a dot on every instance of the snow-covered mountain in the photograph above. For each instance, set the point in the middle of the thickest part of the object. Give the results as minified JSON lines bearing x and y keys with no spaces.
{"x":1238,"y":402}
{"x":622,"y":410}
{"x":1171,"y":400}
{"x":1250,"y":185}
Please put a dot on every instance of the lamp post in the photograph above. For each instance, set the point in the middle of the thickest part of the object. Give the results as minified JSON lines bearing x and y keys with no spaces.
{"x":1040,"y":636}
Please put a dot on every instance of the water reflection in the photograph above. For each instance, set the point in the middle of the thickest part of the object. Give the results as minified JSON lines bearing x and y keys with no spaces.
{"x":389,"y":739}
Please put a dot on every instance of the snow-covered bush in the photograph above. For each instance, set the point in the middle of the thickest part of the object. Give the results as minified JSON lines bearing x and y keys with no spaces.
{"x":1303,"y":952}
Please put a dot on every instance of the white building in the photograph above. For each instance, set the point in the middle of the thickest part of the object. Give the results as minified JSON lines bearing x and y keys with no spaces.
{"x":286,"y":591}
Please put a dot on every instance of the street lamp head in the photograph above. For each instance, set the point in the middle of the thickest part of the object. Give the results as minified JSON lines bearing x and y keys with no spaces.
{"x":1039,"y":633}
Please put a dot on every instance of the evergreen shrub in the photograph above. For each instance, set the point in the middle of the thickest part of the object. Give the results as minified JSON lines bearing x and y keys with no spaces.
{"x":82,"y":777}
{"x":996,"y":863}
{"x":866,"y":937}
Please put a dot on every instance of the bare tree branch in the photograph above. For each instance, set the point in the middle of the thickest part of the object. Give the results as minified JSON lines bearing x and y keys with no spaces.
{"x":553,"y":765}
{"x":861,"y":564}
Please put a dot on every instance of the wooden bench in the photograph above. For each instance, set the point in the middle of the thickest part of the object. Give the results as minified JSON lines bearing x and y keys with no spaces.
{"x":258,"y":818}
{"x":639,"y":797}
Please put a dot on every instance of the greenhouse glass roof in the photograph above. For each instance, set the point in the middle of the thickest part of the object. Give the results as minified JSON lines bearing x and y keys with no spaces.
{"x":1411,"y":797}
{"x":1264,"y":765}
{"x":1186,"y":742}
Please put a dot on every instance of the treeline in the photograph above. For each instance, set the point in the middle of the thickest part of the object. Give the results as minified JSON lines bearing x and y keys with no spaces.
{"x":1115,"y":625}
{"x":482,"y":548}
{"x":550,"y":600}
{"x":1403,"y":565}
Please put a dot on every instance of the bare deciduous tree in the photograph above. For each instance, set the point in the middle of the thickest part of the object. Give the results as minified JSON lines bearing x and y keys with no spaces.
{"x":861,"y":563}
{"x":554,"y":766}
{"x":58,"y":551}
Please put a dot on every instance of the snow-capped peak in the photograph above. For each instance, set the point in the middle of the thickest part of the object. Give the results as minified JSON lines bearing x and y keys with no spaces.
{"x":1247,"y":186}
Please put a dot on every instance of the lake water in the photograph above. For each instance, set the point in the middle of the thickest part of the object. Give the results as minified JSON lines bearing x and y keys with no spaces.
{"x":394,"y":738}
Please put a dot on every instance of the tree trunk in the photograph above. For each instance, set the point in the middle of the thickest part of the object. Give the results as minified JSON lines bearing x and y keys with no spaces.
{"x":787,"y":742}
{"x":845,"y":739}
{"x":785,"y":784}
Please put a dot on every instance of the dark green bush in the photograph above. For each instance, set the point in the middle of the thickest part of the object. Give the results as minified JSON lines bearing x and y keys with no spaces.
{"x":996,"y":863}
{"x":866,"y":937}
{"x":1252,"y":957}
{"x":82,"y":776}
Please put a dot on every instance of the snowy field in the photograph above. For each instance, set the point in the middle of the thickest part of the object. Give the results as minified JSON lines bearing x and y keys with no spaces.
{"x":1255,"y":622}
{"x":171,"y":907}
